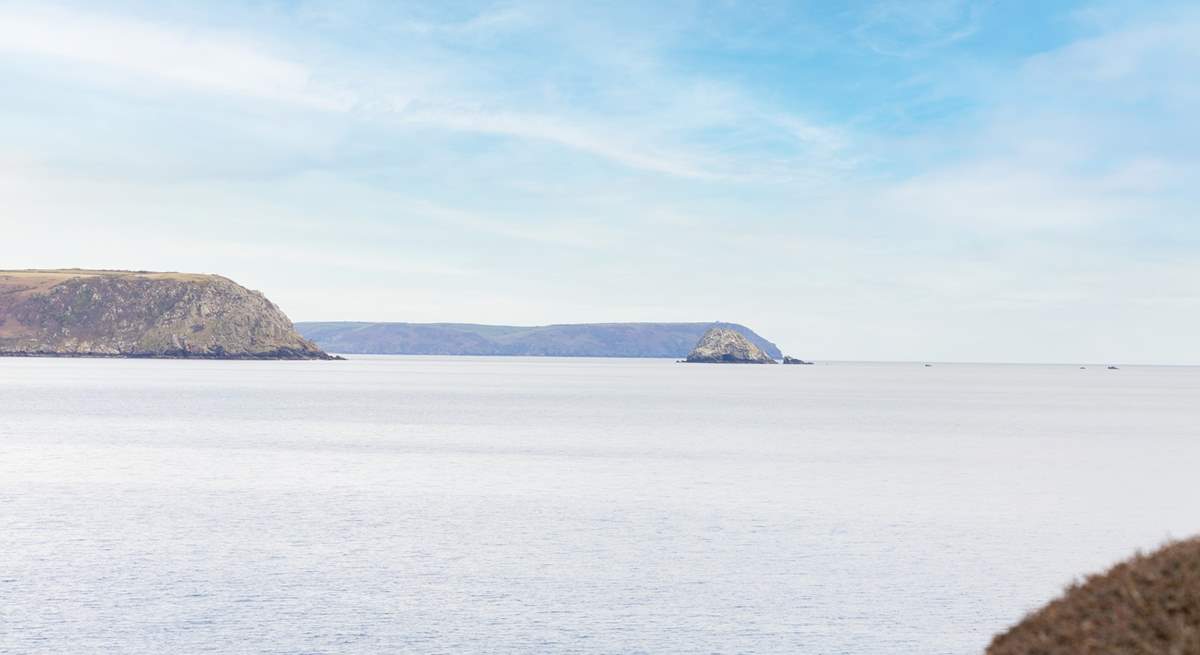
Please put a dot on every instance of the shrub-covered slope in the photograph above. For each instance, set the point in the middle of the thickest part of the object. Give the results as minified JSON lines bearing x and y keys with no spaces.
{"x":1147,"y":605}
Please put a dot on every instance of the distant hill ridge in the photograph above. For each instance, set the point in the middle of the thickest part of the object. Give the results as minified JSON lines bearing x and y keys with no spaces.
{"x":672,"y":340}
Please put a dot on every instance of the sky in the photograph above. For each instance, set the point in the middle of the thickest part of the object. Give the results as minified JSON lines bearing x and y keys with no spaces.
{"x":1003,"y":181}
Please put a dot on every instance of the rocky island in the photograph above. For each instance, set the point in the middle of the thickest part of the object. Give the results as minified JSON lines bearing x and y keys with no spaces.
{"x":87,"y":313}
{"x":724,"y":346}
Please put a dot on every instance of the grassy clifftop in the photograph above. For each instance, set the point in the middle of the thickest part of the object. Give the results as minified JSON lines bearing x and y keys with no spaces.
{"x":75,"y":312}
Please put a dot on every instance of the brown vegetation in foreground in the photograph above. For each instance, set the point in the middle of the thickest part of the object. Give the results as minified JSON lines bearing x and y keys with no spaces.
{"x":1147,"y":605}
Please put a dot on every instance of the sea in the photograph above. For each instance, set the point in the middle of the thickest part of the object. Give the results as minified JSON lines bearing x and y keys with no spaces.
{"x":391,"y":504}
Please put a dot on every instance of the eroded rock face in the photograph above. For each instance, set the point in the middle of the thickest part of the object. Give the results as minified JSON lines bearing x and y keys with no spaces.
{"x":725,"y":346}
{"x":127,"y":314}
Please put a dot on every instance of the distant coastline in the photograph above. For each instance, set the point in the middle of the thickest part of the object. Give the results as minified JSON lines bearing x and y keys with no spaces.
{"x":652,"y":340}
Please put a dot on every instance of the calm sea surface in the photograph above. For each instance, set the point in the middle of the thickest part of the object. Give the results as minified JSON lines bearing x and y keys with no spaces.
{"x":497,"y":505}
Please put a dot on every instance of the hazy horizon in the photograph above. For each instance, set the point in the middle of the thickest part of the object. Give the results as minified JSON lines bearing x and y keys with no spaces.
{"x":877,"y":181}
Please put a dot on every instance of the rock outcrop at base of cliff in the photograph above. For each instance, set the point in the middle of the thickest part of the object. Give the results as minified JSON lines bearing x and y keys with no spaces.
{"x":85,"y":313}
{"x":725,"y":346}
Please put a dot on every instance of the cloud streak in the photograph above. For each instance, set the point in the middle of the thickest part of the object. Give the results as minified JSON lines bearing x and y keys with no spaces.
{"x":908,"y":29}
{"x":182,"y":57}
{"x":134,"y":51}
{"x":603,"y":143}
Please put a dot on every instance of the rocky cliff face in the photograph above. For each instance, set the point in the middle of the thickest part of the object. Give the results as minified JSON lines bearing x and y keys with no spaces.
{"x":127,"y":314}
{"x":725,"y":346}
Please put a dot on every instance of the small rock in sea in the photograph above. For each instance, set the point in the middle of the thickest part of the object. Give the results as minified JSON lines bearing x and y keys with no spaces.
{"x":788,"y":359}
{"x":1112,"y":368}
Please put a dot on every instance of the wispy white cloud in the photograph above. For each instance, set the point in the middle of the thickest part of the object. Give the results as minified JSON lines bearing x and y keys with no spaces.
{"x":75,"y":202}
{"x":1010,"y":196}
{"x":603,"y":142}
{"x":906,"y":29}
{"x":1093,"y":135}
{"x":176,"y":55}
{"x":655,"y":137}
{"x":491,"y":21}
{"x":1140,"y":60}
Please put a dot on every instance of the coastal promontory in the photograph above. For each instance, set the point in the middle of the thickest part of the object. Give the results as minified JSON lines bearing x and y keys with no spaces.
{"x":81,"y":313}
{"x":725,"y":346}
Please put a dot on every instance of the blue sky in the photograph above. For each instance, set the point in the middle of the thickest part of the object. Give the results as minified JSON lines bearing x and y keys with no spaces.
{"x":980,"y":181}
